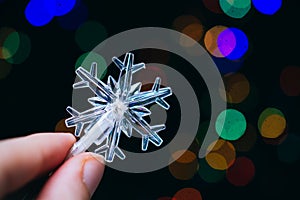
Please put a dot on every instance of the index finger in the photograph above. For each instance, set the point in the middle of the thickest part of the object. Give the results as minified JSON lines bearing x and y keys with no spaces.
{"x":25,"y":158}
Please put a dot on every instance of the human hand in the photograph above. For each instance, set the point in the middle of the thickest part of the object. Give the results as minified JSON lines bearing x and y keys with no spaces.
{"x":26,"y":158}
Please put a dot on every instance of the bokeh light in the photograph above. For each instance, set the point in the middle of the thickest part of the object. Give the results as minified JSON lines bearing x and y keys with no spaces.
{"x":211,"y":40}
{"x":77,"y":16}
{"x":209,"y":174}
{"x":242,"y":172}
{"x":89,"y":35}
{"x":41,"y":12}
{"x":288,"y":151}
{"x":5,"y":33}
{"x":230,"y":124}
{"x":185,"y":166}
{"x":221,"y":155}
{"x":235,"y":8}
{"x":37,"y":14}
{"x":267,"y":7}
{"x":221,"y":41}
{"x":271,"y":123}
{"x":226,"y":42}
{"x":290,"y":80}
{"x":233,"y":43}
{"x":237,"y":87}
{"x":187,"y":194}
{"x":247,"y":141}
{"x":23,"y":50}
{"x":10,"y":45}
{"x":213,"y":5}
{"x":5,"y":68}
{"x":86,"y":60}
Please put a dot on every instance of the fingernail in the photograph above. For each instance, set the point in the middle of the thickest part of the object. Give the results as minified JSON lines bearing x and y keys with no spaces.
{"x":92,"y":173}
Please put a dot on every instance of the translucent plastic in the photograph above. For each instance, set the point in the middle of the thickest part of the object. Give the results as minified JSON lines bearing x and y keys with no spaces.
{"x":118,"y":108}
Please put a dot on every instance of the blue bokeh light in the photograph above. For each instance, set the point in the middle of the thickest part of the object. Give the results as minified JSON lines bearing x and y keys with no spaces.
{"x":59,"y":7}
{"x":268,"y":7}
{"x":241,"y":46}
{"x":41,"y":12}
{"x":37,"y":14}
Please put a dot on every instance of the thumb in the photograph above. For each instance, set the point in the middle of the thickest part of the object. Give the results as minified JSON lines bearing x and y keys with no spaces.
{"x":77,"y":178}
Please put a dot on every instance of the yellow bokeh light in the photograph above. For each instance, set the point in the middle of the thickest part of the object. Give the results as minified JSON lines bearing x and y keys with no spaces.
{"x":216,"y":161}
{"x":221,"y":155}
{"x":273,"y":126}
{"x":211,"y":40}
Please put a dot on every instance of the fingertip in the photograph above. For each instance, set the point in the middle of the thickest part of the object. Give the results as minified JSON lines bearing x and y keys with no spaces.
{"x":64,"y":138}
{"x":68,"y":136}
{"x":92,"y":172}
{"x":77,"y":178}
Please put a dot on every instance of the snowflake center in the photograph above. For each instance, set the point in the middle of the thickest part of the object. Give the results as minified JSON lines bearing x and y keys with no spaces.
{"x":119,"y":107}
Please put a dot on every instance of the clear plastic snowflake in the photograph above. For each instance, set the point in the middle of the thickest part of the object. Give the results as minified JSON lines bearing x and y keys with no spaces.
{"x":119,"y":107}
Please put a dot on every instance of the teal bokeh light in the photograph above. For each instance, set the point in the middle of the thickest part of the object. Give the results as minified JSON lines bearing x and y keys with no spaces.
{"x":231,"y":124}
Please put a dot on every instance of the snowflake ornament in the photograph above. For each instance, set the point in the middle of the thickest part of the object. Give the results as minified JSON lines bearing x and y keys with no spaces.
{"x":118,"y":108}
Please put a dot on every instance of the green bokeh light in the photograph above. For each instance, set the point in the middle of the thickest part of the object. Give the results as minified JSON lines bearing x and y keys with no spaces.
{"x":89,"y":35}
{"x":11,"y":44}
{"x":235,"y":8}
{"x":231,"y":124}
{"x":86,"y":60}
{"x":23,"y":51}
{"x":4,"y":33}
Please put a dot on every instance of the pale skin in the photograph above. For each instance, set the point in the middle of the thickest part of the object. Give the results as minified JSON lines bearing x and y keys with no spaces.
{"x":24,"y":159}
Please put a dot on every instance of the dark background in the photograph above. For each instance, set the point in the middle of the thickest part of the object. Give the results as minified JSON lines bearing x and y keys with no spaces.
{"x":35,"y":93}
